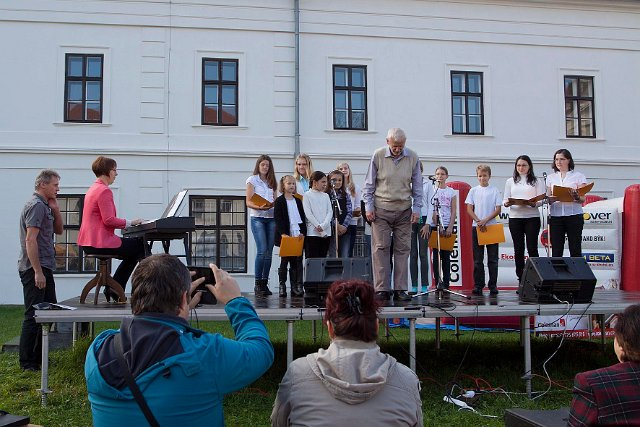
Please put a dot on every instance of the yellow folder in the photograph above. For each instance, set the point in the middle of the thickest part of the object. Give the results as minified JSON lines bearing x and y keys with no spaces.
{"x":446,"y":243}
{"x":298,"y":196}
{"x":291,"y":246}
{"x":493,"y":233}
{"x":563,"y":194}
{"x":258,"y":200}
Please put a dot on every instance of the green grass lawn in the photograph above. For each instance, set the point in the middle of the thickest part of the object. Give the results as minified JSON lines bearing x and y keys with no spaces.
{"x":475,"y":361}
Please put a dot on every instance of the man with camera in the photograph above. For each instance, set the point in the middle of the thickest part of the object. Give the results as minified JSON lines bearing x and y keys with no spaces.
{"x":156,"y":367}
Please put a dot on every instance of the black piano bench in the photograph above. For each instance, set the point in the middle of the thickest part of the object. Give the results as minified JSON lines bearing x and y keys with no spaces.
{"x":103,"y":278}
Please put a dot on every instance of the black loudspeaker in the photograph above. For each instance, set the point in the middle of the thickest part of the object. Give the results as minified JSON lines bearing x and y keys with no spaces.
{"x":320,"y":273}
{"x":517,"y":417}
{"x":547,"y":280}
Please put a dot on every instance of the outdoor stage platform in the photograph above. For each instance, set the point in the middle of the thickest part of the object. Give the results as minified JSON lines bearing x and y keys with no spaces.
{"x":292,"y":310}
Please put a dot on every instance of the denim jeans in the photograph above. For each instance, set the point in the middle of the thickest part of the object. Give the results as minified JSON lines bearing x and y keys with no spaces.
{"x":264,"y":232}
{"x":343,"y":245}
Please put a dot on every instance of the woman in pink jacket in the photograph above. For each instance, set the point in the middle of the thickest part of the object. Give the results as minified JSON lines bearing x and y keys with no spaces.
{"x":99,"y":221}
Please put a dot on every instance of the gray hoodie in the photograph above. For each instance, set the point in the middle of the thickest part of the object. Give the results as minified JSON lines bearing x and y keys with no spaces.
{"x":351,"y":383}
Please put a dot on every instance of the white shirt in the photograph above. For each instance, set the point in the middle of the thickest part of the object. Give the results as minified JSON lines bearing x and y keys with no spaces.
{"x":522,"y":190}
{"x":445,"y":197}
{"x":428,"y":191}
{"x":317,"y":209}
{"x":572,"y":179}
{"x":355,"y":203}
{"x":484,"y":201}
{"x":262,"y":189}
{"x":294,"y":217}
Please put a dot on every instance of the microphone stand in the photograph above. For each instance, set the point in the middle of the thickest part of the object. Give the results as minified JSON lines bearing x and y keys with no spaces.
{"x":546,"y":214}
{"x":440,"y":290}
{"x":336,"y":212}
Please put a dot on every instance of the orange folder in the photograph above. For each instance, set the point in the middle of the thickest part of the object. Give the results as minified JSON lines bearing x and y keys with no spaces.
{"x":446,"y":243}
{"x":258,"y":200}
{"x":298,"y":196}
{"x":526,"y":201}
{"x":494,"y":233}
{"x":291,"y":246}
{"x":563,"y":194}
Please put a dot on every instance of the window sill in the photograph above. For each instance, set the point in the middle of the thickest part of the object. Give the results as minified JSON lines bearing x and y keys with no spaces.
{"x":370,"y":131}
{"x":220,"y":127}
{"x":581,"y":139}
{"x":81,"y":124}
{"x":461,"y":135}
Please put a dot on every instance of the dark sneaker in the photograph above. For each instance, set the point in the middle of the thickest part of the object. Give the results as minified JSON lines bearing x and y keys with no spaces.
{"x":401,"y":296}
{"x":477,"y":291}
{"x":493,"y":291}
{"x":382,"y":296}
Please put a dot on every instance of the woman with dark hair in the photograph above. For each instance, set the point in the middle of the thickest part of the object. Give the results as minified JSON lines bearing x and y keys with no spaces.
{"x":263,"y":226}
{"x":609,"y":396}
{"x":566,"y":217}
{"x":99,"y":220}
{"x":351,"y":383}
{"x":524,"y":216}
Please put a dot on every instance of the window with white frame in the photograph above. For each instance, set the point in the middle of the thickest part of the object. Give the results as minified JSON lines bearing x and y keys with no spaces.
{"x":467,"y":106}
{"x":350,"y":97}
{"x":579,"y":107}
{"x":83,"y":87}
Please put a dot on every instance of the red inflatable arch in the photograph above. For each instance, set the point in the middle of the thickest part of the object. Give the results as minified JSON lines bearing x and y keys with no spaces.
{"x":631,"y":239}
{"x":465,"y":243}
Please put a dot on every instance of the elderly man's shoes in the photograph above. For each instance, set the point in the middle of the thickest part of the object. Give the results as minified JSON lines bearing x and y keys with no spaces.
{"x":401,"y":296}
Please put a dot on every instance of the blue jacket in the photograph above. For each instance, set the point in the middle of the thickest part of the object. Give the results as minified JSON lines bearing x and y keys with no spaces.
{"x":182,"y":372}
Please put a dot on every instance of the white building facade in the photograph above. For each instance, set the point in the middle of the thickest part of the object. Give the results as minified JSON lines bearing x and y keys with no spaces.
{"x":187,"y":95}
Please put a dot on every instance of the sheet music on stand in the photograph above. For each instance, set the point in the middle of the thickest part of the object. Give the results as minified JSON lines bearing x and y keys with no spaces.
{"x":172,"y":208}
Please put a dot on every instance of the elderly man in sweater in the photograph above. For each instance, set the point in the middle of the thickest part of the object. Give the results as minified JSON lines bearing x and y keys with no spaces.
{"x":393,"y":197}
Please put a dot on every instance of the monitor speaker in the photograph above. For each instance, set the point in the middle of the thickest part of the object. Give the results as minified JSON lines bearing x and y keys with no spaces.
{"x":320,"y":273}
{"x":547,"y":280}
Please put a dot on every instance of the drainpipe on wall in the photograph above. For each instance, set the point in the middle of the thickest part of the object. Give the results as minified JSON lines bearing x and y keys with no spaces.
{"x":296,"y":16}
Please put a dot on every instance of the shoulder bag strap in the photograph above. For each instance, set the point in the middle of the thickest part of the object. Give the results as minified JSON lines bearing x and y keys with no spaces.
{"x":131,"y":382}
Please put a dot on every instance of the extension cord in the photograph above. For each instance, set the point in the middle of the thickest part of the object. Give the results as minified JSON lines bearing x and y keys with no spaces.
{"x":456,"y":402}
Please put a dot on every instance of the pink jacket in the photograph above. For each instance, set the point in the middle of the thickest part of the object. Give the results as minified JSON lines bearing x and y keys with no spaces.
{"x":99,"y":218}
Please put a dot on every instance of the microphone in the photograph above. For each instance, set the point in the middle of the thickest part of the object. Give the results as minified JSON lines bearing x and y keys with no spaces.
{"x":544,"y":175}
{"x":333,"y":182}
{"x":432,"y":178}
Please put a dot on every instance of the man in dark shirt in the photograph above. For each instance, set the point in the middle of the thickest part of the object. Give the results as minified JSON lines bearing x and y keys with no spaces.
{"x":39,"y":220}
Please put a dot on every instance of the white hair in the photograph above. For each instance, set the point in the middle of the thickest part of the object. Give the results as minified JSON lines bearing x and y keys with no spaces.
{"x":397,"y":135}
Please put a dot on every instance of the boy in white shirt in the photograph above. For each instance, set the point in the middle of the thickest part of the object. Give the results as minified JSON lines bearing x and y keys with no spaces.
{"x":483,"y":205}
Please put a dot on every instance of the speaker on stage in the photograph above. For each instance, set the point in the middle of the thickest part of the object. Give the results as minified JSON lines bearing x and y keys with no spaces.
{"x":568,"y":279}
{"x":320,"y":273}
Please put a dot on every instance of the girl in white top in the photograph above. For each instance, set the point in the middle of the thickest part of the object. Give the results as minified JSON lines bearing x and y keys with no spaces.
{"x":447,"y":201}
{"x":302,"y":173}
{"x":356,"y":195}
{"x":317,"y":209}
{"x":566,"y":217}
{"x":524,"y":217}
{"x":263,"y":226}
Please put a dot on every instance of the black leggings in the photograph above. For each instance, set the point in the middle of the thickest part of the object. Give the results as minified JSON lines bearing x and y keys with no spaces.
{"x":522,"y":229}
{"x":571,"y":226}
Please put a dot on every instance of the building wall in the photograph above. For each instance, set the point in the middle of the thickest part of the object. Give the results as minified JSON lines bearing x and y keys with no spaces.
{"x":153,"y":52}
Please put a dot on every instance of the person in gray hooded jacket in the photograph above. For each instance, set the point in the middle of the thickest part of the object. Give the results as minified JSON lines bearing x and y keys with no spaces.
{"x":352,"y":383}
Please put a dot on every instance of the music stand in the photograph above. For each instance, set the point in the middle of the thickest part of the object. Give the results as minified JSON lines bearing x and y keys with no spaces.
{"x":440,"y":290}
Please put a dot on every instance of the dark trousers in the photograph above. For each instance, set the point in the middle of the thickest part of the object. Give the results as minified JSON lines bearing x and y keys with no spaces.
{"x":478,"y":263}
{"x":291,"y":262}
{"x":522,"y":229}
{"x":571,"y":226}
{"x":419,"y":248}
{"x":353,"y":231}
{"x":316,"y":247}
{"x":131,"y":251}
{"x":31,"y":336}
